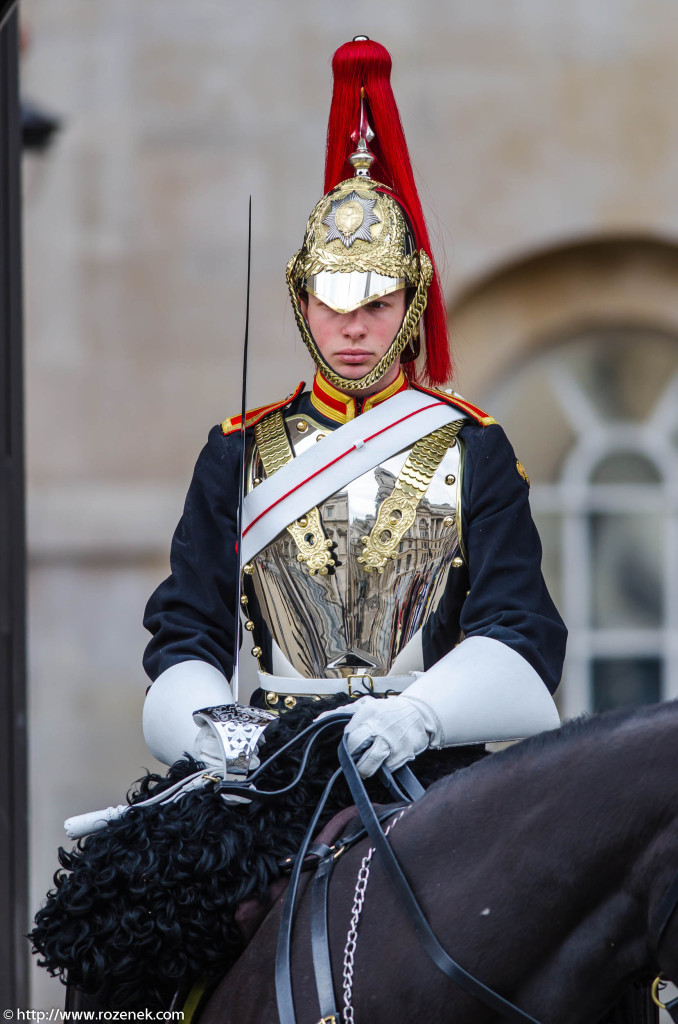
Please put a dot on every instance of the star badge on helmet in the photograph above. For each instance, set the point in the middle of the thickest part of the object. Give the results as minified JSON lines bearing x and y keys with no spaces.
{"x":351,"y":218}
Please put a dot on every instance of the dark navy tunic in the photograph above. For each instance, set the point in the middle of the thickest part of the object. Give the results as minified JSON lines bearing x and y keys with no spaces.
{"x":501,"y":594}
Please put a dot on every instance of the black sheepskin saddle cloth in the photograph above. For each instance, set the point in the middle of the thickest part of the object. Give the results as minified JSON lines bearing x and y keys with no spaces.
{"x":148,"y":905}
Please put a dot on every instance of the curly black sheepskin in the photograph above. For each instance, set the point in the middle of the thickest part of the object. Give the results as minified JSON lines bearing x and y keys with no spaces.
{"x":147,"y":905}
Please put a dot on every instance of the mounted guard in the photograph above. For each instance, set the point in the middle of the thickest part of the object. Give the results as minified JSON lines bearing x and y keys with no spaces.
{"x":375,"y":531}
{"x":388,"y":546}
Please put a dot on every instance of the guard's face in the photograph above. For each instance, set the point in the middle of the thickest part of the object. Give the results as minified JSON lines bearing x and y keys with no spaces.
{"x":353,"y":343}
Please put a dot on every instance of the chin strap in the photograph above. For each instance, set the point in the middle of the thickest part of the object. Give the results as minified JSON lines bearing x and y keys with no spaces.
{"x":407,"y":331}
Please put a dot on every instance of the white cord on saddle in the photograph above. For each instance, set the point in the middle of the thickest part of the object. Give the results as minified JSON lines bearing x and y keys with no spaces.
{"x":356,"y":911}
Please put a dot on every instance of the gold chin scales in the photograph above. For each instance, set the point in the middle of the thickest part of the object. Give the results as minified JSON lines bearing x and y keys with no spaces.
{"x":397,"y":512}
{"x":307,"y":532}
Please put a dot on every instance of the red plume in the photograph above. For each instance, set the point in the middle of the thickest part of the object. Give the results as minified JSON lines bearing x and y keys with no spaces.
{"x":367,"y":64}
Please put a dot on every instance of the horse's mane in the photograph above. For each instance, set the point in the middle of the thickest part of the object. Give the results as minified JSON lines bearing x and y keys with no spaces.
{"x":148,"y":904}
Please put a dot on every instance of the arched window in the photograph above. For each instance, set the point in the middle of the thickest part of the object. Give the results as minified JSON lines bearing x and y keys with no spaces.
{"x":604,"y":469}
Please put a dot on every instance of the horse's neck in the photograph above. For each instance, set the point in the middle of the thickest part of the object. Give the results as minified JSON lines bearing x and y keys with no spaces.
{"x":553,"y":863}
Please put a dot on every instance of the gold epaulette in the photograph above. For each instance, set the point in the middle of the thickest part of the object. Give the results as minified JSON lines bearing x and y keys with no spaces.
{"x":254,"y":416}
{"x":452,"y":398}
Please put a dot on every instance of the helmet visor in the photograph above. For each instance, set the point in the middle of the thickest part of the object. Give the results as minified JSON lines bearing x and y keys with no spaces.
{"x":344,"y":292}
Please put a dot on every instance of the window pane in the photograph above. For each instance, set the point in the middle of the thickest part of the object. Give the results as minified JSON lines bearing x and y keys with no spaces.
{"x":625,"y":682}
{"x":624,"y":372}
{"x":627,"y":584}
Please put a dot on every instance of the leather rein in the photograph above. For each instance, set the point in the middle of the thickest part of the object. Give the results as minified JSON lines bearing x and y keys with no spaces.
{"x":405,"y":788}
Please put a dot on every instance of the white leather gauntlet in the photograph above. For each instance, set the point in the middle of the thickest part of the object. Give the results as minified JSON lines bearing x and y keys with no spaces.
{"x":395,"y":728}
{"x":481,"y":692}
{"x":169,"y":729}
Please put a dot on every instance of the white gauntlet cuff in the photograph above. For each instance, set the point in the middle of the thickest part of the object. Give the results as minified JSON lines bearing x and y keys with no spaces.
{"x":169,"y":729}
{"x":482,"y":692}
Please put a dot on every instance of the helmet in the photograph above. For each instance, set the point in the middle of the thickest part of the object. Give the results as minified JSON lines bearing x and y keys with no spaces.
{"x":367,"y":237}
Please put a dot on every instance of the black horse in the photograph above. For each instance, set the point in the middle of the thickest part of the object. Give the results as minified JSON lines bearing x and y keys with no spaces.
{"x":543,"y":870}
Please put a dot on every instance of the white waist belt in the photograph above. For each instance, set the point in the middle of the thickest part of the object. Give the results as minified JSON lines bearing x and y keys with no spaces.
{"x":297,"y":686}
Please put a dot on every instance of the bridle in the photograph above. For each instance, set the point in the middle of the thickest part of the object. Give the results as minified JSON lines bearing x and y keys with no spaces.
{"x":404,"y":787}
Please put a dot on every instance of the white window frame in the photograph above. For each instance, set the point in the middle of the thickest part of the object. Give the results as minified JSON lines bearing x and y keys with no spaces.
{"x":574,"y":498}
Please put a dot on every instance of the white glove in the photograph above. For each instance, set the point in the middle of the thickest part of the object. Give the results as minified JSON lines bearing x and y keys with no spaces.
{"x":398,"y":729}
{"x":482,"y":691}
{"x":169,"y":729}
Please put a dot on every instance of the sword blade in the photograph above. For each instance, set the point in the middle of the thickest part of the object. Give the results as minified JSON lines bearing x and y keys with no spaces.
{"x":241,"y":488}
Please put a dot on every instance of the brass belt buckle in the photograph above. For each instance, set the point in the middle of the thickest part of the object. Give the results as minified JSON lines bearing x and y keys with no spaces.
{"x":363,"y":679}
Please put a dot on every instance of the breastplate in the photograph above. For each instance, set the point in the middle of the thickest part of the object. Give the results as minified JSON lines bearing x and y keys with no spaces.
{"x":352,"y":620}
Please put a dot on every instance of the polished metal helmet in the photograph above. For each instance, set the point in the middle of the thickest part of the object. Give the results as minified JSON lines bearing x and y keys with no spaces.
{"x":359,"y":247}
{"x":365,"y":239}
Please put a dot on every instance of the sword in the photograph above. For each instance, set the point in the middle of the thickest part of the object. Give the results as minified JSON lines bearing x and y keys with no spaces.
{"x":238,"y":727}
{"x":241,"y":487}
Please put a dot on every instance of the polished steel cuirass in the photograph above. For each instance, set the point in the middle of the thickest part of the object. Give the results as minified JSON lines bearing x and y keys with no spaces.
{"x":352,"y":620}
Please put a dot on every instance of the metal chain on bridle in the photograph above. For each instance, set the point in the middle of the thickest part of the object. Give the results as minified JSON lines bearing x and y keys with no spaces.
{"x":356,"y":911}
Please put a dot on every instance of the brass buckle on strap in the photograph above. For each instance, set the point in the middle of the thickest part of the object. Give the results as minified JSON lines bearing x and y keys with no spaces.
{"x":331,"y":1019}
{"x":369,"y":687}
{"x":658,"y":984}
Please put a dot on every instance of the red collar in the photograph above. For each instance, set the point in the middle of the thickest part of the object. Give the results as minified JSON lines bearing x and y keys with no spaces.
{"x":338,"y":406}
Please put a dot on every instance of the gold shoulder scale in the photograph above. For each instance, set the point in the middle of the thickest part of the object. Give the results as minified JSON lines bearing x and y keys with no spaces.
{"x":307,"y":532}
{"x":397,"y":512}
